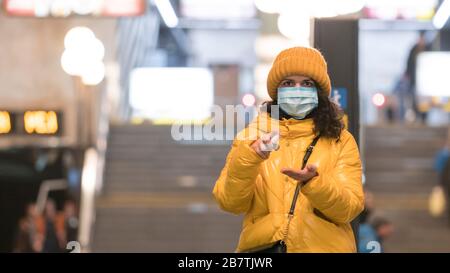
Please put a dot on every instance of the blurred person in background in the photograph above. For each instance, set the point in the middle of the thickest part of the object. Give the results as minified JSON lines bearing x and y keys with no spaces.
{"x":261,"y":183}
{"x":22,"y":242}
{"x":401,"y":91}
{"x":366,"y":235}
{"x":446,"y":181}
{"x":27,"y":239}
{"x":442,"y":167}
{"x":51,"y":227}
{"x":410,"y":74}
{"x":72,"y":171}
{"x":372,"y":234}
{"x":391,"y":109}
{"x":366,"y":232}
{"x":70,"y":221}
{"x":369,"y":207}
{"x":384,"y":229}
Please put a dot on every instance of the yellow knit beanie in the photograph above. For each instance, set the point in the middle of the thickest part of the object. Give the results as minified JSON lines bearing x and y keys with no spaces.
{"x":303,"y":61}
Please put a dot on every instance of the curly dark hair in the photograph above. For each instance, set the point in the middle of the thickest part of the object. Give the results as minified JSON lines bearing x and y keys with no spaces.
{"x":327,"y":117}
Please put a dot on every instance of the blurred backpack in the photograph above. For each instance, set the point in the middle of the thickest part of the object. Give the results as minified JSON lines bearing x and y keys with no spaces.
{"x":437,"y":201}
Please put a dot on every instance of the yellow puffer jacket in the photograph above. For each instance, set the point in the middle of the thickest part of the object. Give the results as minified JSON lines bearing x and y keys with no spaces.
{"x":326,"y":205}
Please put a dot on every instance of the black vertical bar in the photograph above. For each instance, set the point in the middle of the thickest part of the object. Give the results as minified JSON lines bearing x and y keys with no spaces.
{"x":337,"y":39}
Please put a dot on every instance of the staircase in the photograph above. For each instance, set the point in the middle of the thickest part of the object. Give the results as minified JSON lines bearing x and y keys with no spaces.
{"x":157,"y":195}
{"x":157,"y":192}
{"x":399,"y":172}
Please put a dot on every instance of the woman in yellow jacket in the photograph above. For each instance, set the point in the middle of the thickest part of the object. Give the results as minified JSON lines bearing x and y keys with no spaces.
{"x":261,"y":183}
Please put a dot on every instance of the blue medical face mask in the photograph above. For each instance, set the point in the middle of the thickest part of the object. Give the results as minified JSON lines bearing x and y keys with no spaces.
{"x":298,"y":102}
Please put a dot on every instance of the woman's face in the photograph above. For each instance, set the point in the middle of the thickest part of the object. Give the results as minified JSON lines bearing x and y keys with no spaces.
{"x":297,"y":81}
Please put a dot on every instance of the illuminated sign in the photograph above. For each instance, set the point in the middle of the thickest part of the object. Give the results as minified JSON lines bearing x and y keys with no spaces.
{"x":218,"y":9}
{"x":400,"y":9}
{"x":5,"y":122}
{"x":39,"y":122}
{"x":432,"y":74}
{"x":188,"y":86}
{"x":64,"y":8}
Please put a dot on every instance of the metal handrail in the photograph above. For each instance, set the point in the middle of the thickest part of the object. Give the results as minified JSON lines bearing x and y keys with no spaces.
{"x":92,"y":177}
{"x":45,"y":188}
{"x":87,"y":201}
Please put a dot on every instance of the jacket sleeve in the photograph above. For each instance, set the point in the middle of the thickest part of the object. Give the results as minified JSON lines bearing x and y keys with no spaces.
{"x":235,"y":187}
{"x":339,"y":194}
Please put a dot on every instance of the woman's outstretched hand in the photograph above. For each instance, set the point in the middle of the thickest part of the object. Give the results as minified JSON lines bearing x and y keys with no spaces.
{"x":267,"y":143}
{"x":304,"y":175}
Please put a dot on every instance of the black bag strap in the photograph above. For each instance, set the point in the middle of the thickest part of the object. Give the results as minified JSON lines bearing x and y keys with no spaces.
{"x":305,"y":160}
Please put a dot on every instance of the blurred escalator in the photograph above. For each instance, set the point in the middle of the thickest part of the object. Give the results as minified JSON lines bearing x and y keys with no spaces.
{"x":157,"y":195}
{"x":399,"y":171}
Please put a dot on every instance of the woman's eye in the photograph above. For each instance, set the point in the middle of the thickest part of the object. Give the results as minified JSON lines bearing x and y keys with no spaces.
{"x":286,"y":83}
{"x":308,"y":84}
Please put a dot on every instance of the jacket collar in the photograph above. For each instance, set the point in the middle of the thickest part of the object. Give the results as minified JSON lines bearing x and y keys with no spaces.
{"x":288,"y":128}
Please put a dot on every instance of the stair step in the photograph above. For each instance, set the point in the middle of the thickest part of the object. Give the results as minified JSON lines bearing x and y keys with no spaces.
{"x":399,"y":172}
{"x":401,"y":181}
{"x":412,"y":164}
{"x":180,"y":214}
{"x":170,"y":208}
{"x":165,"y":230}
